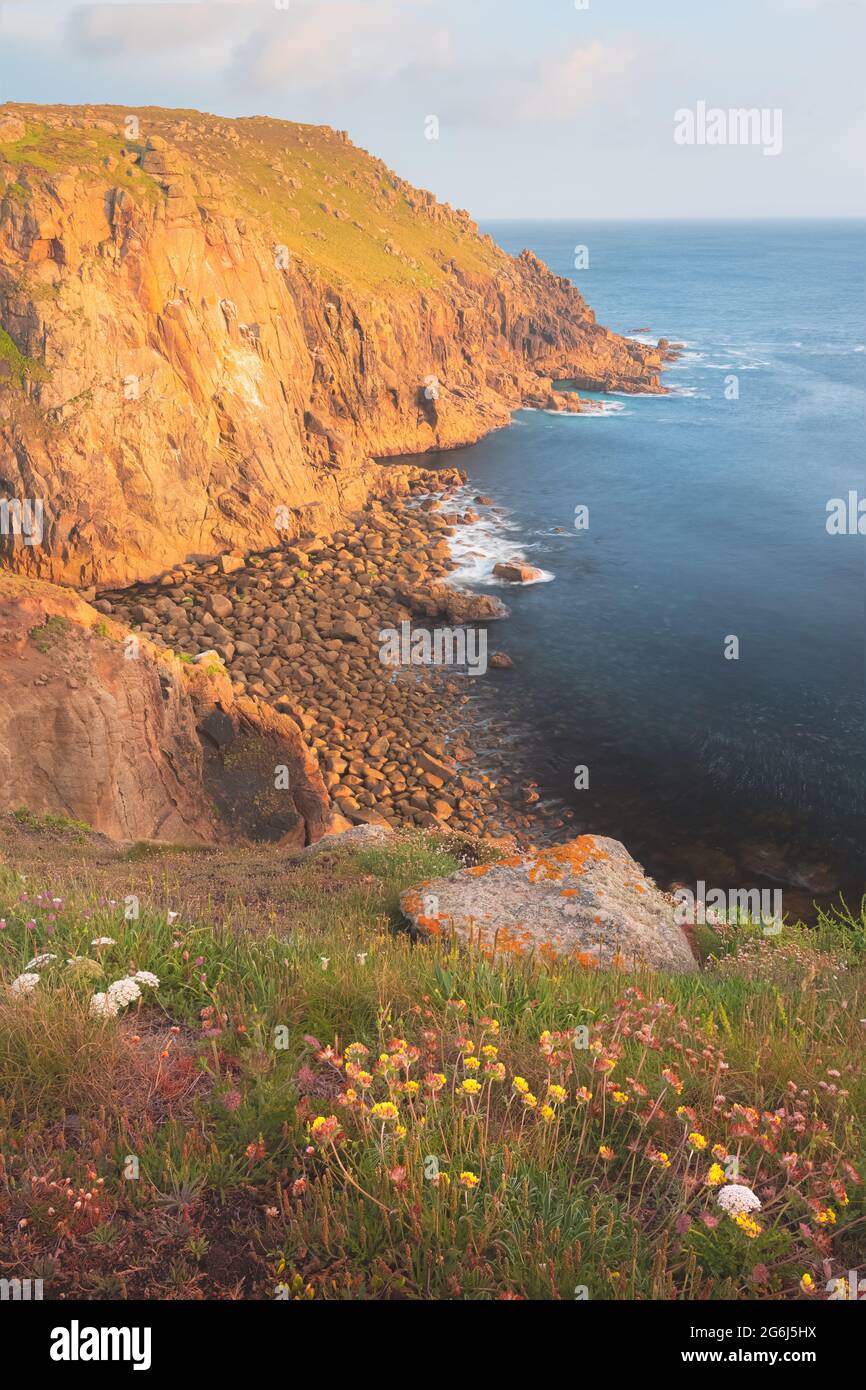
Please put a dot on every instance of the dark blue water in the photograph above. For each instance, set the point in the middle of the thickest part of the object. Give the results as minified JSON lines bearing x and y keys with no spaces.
{"x":707,"y":519}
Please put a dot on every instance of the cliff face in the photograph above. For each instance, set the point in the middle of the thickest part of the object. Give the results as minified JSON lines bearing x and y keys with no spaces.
{"x":208,"y":328}
{"x":137,"y":743}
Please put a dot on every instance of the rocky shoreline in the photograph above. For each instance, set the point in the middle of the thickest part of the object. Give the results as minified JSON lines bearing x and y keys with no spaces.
{"x":299,"y":625}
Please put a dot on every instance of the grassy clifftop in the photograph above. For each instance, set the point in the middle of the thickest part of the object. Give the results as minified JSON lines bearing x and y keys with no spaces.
{"x":323,"y":198}
{"x":302,"y":1103}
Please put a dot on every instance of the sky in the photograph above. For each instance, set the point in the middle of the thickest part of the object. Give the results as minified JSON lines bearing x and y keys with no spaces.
{"x":543,"y":108}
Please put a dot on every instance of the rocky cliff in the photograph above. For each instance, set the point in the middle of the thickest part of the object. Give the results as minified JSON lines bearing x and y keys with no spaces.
{"x":210,"y":328}
{"x":99,"y":725}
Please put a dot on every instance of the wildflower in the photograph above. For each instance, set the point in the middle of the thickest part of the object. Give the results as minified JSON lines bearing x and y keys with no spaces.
{"x":737,"y":1198}
{"x":807,"y":1284}
{"x":471,"y":1063}
{"x":748,"y":1224}
{"x":557,"y":1092}
{"x":495,"y":1070}
{"x":488,"y":1050}
{"x":357,"y":1049}
{"x":324,"y":1128}
{"x":471,"y":1086}
{"x":547,"y":1112}
{"x":24,"y":984}
{"x":697,"y":1141}
{"x":172,"y":917}
{"x":125,"y":991}
{"x":716,"y":1175}
{"x":103,"y":941}
{"x":364,"y":1080}
{"x":825,"y":1216}
{"x":435,"y":1080}
{"x":605,"y":1152}
{"x":672,"y":1079}
{"x":659,"y":1157}
{"x":326,"y":961}
{"x":621,"y":1097}
{"x":384,"y":1110}
{"x":38,"y":961}
{"x":231,"y":1100}
{"x":146,"y":977}
{"x":529,"y":1100}
{"x":104,"y":1006}
{"x":720,"y":1152}
{"x":520,"y":1084}
{"x":360,"y":957}
{"x":299,"y":1186}
{"x":469,"y":1179}
{"x":582,"y":1094}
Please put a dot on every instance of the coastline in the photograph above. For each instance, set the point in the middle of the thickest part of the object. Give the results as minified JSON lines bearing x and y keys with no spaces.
{"x":300,"y":626}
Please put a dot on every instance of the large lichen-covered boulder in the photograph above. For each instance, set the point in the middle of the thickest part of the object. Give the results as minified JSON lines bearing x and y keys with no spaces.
{"x":586,"y":899}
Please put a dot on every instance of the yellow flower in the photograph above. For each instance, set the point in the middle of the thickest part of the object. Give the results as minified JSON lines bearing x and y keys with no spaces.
{"x":826,"y":1216}
{"x":697,"y":1141}
{"x":719,"y":1151}
{"x":621,"y":1097}
{"x":557,"y":1092}
{"x":436,"y":1080}
{"x":400,"y":1131}
{"x":521,"y":1084}
{"x":748,"y":1224}
{"x":488,"y":1050}
{"x":661,"y":1159}
{"x":471,"y":1086}
{"x":807,"y":1284}
{"x":605,"y":1153}
{"x":469,"y":1180}
{"x":384,"y":1110}
{"x":716,"y":1176}
{"x":583,"y":1094}
{"x":471,"y":1063}
{"x":411,"y":1088}
{"x":529,"y":1100}
{"x":547,"y":1112}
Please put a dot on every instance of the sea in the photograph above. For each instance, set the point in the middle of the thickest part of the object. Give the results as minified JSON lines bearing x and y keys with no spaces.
{"x":690,"y":671}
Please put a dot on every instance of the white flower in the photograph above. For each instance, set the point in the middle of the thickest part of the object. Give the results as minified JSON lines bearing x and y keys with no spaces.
{"x":24,"y":984}
{"x":146,"y":977}
{"x":124,"y":991}
{"x":326,"y":961}
{"x":38,"y":961}
{"x":737,"y":1198}
{"x":104,"y":1005}
{"x":103,"y":941}
{"x":172,"y":917}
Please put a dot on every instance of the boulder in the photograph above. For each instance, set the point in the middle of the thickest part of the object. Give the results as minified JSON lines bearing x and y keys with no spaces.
{"x":517,"y":572}
{"x":586,"y":899}
{"x":456,"y":605}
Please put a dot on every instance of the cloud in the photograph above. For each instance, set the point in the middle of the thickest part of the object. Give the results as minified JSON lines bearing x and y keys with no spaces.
{"x":125,"y":31}
{"x":563,"y":85}
{"x":325,"y":44}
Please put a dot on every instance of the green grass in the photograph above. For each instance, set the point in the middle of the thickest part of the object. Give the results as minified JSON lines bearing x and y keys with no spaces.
{"x":241,"y":1182}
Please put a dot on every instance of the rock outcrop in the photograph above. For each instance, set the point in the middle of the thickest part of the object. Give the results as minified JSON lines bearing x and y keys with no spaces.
{"x":586,"y":899}
{"x":210,"y":328}
{"x":99,"y":725}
